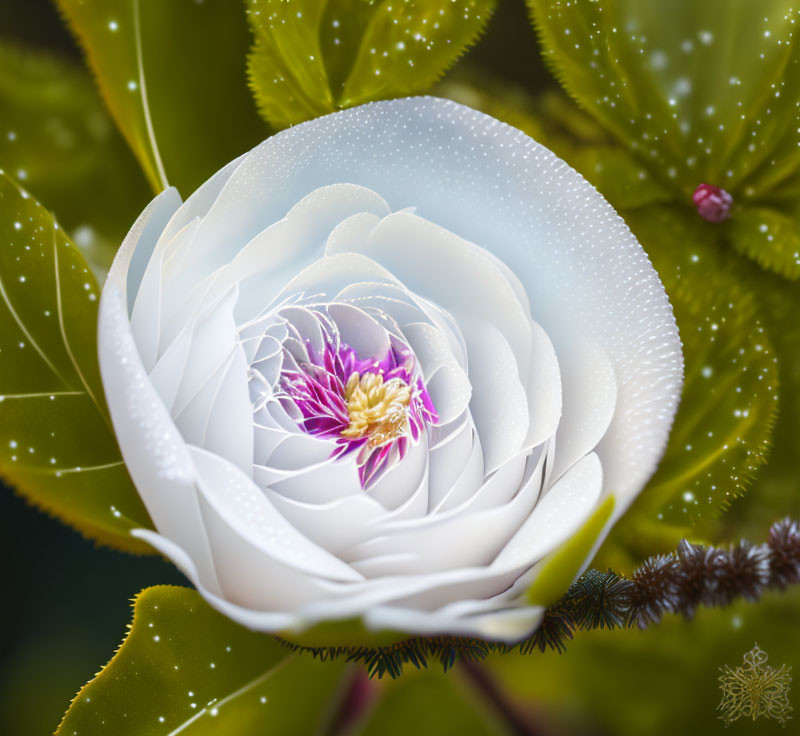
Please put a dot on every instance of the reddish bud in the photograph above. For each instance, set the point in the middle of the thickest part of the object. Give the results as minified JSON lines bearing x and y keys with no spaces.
{"x":713,"y":203}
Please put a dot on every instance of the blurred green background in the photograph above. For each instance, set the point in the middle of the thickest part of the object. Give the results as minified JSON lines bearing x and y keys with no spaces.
{"x":66,"y":601}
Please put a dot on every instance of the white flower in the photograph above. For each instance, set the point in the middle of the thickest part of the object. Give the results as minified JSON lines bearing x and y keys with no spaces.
{"x":384,"y":366}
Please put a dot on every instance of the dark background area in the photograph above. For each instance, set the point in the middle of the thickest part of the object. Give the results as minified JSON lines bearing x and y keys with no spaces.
{"x":66,"y":601}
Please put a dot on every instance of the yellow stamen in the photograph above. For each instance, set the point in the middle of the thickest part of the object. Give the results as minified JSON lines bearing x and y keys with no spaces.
{"x":376,"y":408}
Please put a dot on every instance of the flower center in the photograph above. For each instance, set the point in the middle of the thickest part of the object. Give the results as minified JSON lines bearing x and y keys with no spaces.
{"x":377,"y":409}
{"x":373,"y":408}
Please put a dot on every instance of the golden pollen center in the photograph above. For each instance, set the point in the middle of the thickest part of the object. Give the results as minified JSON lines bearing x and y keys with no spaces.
{"x":376,"y":409}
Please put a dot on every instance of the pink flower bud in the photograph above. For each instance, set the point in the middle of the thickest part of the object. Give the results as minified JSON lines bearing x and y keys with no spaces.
{"x":713,"y":203}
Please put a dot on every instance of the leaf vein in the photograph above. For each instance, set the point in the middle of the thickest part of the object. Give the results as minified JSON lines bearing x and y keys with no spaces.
{"x":148,"y":120}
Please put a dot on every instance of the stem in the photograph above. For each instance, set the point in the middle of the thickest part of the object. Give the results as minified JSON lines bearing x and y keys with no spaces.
{"x":356,"y":697}
{"x":517,"y":722}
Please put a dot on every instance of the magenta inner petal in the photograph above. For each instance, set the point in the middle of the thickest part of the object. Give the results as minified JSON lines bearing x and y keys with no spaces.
{"x":374,"y":407}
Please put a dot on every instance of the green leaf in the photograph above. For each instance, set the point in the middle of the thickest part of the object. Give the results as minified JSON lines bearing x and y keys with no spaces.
{"x":618,"y":176}
{"x":441,"y":703}
{"x":56,"y":443}
{"x":776,"y":491}
{"x":728,"y":407}
{"x":185,"y":668}
{"x":312,"y":57}
{"x":550,"y":118}
{"x":57,"y":140}
{"x":769,"y":236}
{"x":705,"y":91}
{"x":554,"y":120}
{"x":173,"y":76}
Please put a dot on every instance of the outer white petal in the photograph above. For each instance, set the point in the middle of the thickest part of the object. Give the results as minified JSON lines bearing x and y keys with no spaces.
{"x":201,"y":200}
{"x":236,"y":504}
{"x":142,"y":238}
{"x":509,"y":624}
{"x":260,"y":621}
{"x":154,"y":451}
{"x":145,"y":278}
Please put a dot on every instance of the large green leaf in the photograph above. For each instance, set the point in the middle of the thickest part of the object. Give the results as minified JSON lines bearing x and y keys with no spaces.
{"x":702,"y":91}
{"x":770,"y":236}
{"x":776,"y":491}
{"x":56,"y":442}
{"x":312,"y":57}
{"x":723,"y":426}
{"x":555,"y":121}
{"x":184,"y":668}
{"x":173,"y":75}
{"x":57,"y":140}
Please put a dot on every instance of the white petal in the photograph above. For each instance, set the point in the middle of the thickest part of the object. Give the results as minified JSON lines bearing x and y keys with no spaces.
{"x":466,"y":483}
{"x":258,"y":620}
{"x":452,"y":273}
{"x":439,"y":542}
{"x":274,"y":256}
{"x":298,"y":451}
{"x":358,"y":330}
{"x":307,"y":325}
{"x":508,"y":625}
{"x":446,"y":381}
{"x":146,"y":314}
{"x":448,"y":457}
{"x":367,"y":597}
{"x":238,"y":514}
{"x":557,"y":516}
{"x":331,"y":274}
{"x":142,"y":240}
{"x":590,"y":397}
{"x":213,"y":339}
{"x":499,"y":405}
{"x":238,"y":216}
{"x":335,"y":525}
{"x":179,"y":230}
{"x":321,"y":483}
{"x":402,"y":480}
{"x":543,"y":388}
{"x":398,"y":303}
{"x":229,"y":432}
{"x":201,"y":200}
{"x":497,"y":489}
{"x":167,"y":374}
{"x":351,"y":234}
